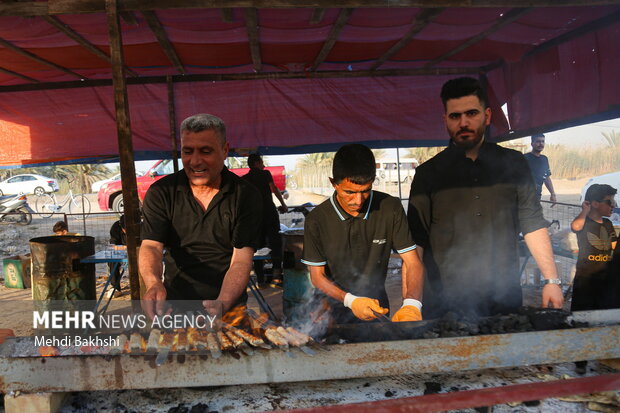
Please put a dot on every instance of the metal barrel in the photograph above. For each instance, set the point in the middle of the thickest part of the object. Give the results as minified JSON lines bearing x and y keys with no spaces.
{"x":57,"y":273}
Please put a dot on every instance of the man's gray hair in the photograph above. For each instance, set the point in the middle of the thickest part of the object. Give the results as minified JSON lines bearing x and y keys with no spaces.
{"x":204,"y":121}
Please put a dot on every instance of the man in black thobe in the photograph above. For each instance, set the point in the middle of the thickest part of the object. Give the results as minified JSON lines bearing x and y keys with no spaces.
{"x":466,"y":208}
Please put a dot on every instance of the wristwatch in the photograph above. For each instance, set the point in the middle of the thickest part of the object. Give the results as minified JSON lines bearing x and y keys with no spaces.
{"x":552,"y":281}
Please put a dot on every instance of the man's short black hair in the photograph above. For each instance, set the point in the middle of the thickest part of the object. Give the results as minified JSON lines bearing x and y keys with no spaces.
{"x":596,"y":192}
{"x":253,"y":159}
{"x":60,"y":226}
{"x":354,"y":162}
{"x":461,"y":87}
{"x":537,"y":135}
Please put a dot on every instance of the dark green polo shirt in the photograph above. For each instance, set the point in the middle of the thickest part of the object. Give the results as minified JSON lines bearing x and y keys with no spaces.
{"x":200,"y":243}
{"x":356,"y":250}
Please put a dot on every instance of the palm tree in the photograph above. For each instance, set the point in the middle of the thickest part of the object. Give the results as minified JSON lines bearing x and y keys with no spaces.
{"x":316,"y":160}
{"x":80,"y":177}
{"x":237,"y":162}
{"x":612,"y":138}
{"x":379,"y":153}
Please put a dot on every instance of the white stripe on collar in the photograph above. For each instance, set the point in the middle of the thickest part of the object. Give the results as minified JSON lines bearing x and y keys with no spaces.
{"x":335,"y":207}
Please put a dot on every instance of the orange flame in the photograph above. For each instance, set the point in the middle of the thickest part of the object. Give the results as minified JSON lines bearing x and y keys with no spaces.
{"x":235,"y":316}
{"x":48,"y":351}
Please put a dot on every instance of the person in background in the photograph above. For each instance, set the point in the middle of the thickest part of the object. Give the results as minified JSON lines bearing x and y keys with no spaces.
{"x":348,"y":240}
{"x":60,"y":228}
{"x":118,"y":238}
{"x":539,"y":166}
{"x":270,"y":230}
{"x":207,"y":218}
{"x":467,"y":206}
{"x":597,"y":239}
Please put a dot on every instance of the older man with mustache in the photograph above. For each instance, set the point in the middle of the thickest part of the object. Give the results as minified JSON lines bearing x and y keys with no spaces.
{"x":467,"y":207}
{"x":206,"y":218}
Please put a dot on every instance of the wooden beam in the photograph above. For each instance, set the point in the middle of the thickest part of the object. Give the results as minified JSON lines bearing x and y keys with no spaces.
{"x":172,"y":117}
{"x":419,"y":23}
{"x":341,"y":21}
{"x":505,"y":20}
{"x":227,"y":15}
{"x":162,"y":38}
{"x":129,"y":18}
{"x":19,"y":75}
{"x":317,"y":16}
{"x":51,"y":7}
{"x":125,"y":147}
{"x":54,"y":21}
{"x":578,"y":32}
{"x":251,"y":25}
{"x":445,"y":71}
{"x":38,"y":59}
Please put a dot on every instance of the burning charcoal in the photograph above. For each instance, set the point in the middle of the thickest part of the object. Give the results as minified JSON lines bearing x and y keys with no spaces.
{"x":153,"y":340}
{"x":181,"y":408}
{"x":199,"y":408}
{"x":431,"y":387}
{"x":430,"y":334}
{"x":389,"y":393}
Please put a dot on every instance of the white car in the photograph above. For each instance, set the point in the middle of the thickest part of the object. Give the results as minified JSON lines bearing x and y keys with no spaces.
{"x":96,"y":186}
{"x":28,"y":184}
{"x":612,"y":179}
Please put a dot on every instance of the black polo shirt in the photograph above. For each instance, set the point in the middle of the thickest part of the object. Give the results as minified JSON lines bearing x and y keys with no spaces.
{"x":356,"y":250}
{"x":539,"y":167}
{"x":467,"y":216}
{"x":200,"y":243}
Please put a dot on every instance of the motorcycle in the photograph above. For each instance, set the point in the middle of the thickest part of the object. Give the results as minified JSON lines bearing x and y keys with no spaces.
{"x":14,"y":209}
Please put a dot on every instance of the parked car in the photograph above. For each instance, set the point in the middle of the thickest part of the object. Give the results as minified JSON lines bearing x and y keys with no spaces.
{"x":96,"y":186}
{"x":612,"y":179}
{"x":387,"y":170}
{"x":110,"y":195}
{"x":28,"y":184}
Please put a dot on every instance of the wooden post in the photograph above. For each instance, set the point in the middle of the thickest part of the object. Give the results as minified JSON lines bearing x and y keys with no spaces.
{"x":125,"y":147}
{"x":173,"y":124}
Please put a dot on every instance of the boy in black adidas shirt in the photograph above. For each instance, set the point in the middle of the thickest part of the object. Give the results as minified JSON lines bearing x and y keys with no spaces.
{"x":597,"y":239}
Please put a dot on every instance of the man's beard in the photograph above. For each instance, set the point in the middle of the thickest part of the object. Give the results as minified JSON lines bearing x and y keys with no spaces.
{"x":470,"y":143}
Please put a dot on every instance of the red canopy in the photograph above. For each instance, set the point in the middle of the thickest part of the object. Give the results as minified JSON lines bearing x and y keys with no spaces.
{"x":552,"y":66}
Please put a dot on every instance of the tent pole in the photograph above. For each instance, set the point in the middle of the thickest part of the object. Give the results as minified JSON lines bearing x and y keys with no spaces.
{"x":173,"y":124}
{"x":125,"y":147}
{"x":400,"y":193}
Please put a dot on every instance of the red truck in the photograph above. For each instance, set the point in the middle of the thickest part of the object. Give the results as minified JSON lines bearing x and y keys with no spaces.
{"x":110,"y":196}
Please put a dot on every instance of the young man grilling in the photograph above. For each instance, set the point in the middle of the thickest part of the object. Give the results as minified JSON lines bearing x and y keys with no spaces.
{"x":348,"y":240}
